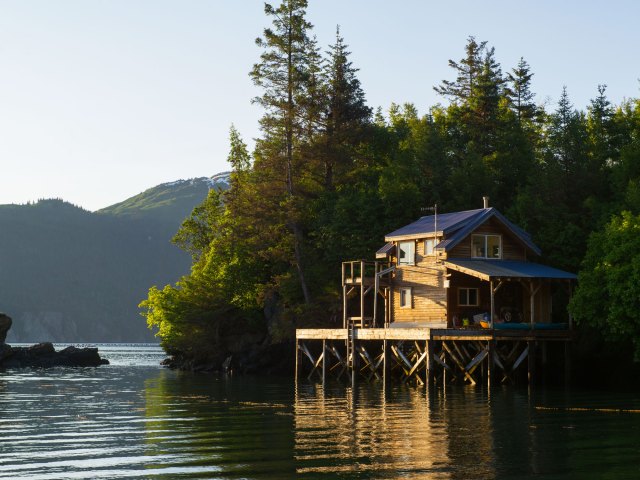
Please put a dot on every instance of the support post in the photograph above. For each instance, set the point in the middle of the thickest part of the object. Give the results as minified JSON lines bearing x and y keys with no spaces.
{"x":324,"y":361}
{"x":430,"y":362}
{"x":490,"y":362}
{"x":531,"y":361}
{"x":385,"y":361}
{"x":297,"y":372}
{"x":492,"y":303}
{"x":344,"y":305}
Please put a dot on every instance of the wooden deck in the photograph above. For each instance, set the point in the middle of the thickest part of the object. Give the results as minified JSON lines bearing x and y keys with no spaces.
{"x":425,"y":334}
{"x":422,"y":354}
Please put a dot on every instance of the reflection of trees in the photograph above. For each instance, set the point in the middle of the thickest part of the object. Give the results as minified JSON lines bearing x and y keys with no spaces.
{"x":230,"y":427}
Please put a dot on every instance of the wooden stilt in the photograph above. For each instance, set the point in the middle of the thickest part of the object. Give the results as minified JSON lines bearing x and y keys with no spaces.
{"x":430,"y":362}
{"x":297,"y":359}
{"x":491,"y":366}
{"x":324,"y":361}
{"x":386,"y":365}
{"x":532,"y":361}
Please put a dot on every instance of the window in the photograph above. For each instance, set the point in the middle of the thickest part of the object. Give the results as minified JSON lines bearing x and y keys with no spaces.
{"x":405,"y":297}
{"x":429,"y":245}
{"x":407,"y":253}
{"x":468,"y":297}
{"x":486,"y":246}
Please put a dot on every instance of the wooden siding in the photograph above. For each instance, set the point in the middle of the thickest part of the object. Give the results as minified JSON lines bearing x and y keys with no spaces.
{"x":512,"y":249}
{"x":426,"y":280}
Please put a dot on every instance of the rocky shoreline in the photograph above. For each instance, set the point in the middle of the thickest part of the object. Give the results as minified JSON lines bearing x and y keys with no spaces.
{"x":270,"y":359}
{"x":44,"y":355}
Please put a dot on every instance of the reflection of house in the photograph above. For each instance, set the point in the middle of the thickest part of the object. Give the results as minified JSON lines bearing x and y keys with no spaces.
{"x":452,"y":267}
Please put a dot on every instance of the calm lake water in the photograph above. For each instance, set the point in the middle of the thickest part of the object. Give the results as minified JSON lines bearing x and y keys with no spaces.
{"x":133,"y":419}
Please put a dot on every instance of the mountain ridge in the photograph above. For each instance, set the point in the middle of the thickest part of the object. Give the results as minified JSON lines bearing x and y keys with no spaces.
{"x":71,"y":275}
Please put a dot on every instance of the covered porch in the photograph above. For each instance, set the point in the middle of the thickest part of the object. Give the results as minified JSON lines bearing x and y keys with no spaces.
{"x":504,"y":294}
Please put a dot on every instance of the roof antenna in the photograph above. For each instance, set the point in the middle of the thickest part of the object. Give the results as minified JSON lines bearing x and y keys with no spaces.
{"x":485,"y":201}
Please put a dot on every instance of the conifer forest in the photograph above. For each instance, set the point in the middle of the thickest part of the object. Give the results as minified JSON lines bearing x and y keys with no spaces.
{"x":330,"y":175}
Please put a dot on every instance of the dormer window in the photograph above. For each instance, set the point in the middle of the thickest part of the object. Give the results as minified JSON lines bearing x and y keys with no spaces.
{"x":486,"y":246}
{"x":407,"y":253}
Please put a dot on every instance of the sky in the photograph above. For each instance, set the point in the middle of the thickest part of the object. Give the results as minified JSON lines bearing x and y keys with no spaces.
{"x":102,"y":99}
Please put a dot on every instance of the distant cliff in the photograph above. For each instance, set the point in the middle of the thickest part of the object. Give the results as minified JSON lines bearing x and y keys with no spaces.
{"x":69,"y":275}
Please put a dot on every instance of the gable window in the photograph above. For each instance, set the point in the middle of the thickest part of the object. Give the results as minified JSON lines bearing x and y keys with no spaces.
{"x":486,"y":246}
{"x":429,"y":246}
{"x":405,"y":297}
{"x":468,"y":297}
{"x":407,"y":253}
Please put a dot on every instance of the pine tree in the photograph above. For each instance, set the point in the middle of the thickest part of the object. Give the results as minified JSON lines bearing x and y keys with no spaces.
{"x":347,"y":112}
{"x":284,"y":75}
{"x":519,"y":92}
{"x":468,"y":70}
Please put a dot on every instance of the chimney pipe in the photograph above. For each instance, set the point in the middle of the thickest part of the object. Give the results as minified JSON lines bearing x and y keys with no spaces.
{"x":485,"y":201}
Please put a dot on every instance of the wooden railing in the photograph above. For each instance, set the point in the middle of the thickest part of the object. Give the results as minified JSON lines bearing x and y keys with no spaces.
{"x":357,"y":271}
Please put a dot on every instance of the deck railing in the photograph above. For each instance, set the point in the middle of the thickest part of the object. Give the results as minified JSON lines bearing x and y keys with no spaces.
{"x":357,"y":271}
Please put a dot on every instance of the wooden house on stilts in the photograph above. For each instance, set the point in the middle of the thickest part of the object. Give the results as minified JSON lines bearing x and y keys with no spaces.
{"x":455,"y":296}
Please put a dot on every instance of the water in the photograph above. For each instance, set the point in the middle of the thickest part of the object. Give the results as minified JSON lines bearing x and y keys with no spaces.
{"x":133,"y":419}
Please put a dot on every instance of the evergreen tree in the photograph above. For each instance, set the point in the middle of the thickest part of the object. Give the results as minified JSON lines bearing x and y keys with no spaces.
{"x":347,"y":114}
{"x":284,"y":76}
{"x":467,"y":71}
{"x":519,"y":92}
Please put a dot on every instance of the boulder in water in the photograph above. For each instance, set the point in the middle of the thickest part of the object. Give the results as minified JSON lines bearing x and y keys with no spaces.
{"x":43,"y":355}
{"x":5,"y":325}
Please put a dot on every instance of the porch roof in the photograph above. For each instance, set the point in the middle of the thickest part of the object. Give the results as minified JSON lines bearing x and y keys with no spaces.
{"x":494,"y":269}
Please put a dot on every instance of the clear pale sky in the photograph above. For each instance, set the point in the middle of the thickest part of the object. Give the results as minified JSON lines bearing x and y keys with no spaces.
{"x":101,"y":99}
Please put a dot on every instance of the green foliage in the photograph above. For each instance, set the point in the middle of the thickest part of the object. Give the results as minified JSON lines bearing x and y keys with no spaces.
{"x":608,"y":296}
{"x":326,"y":181}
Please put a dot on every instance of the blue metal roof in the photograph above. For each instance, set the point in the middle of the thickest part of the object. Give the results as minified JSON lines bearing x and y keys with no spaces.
{"x":490,"y":269}
{"x":426,"y":225}
{"x":457,"y":226}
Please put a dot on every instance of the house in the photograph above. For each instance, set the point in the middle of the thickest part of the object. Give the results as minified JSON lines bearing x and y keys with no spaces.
{"x":457,"y":296}
{"x":456,"y":269}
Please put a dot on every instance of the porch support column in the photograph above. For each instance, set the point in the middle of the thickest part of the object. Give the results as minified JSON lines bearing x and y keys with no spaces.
{"x":492,"y":303}
{"x":532,"y":294}
{"x":344,"y":305}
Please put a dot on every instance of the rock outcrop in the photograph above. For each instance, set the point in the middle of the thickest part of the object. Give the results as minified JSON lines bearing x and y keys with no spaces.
{"x":43,"y":355}
{"x":5,"y":325}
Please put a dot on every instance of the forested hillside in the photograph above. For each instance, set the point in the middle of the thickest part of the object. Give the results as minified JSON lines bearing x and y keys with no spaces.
{"x":70,"y":275}
{"x":329,"y":177}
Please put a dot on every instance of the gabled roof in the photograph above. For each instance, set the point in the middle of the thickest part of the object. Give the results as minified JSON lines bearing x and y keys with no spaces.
{"x":494,"y":269}
{"x":457,"y":226}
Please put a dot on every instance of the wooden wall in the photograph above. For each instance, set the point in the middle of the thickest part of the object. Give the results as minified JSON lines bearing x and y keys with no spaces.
{"x":512,"y":249}
{"x":426,"y":279}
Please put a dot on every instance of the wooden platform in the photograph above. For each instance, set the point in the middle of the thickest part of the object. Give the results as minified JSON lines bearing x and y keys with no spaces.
{"x":421,"y":353}
{"x":425,"y":334}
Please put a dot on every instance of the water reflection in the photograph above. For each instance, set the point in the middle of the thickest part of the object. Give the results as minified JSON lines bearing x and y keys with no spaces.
{"x":454,"y":432}
{"x":146,"y":422}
